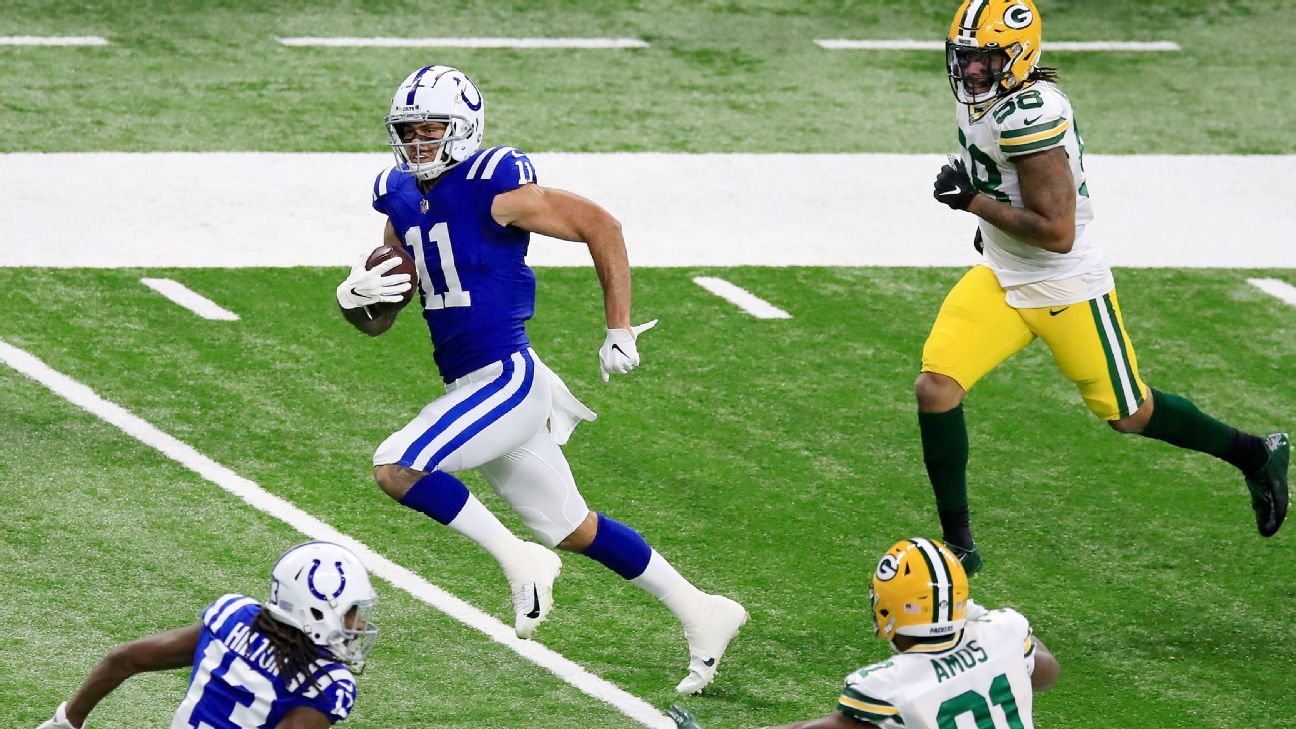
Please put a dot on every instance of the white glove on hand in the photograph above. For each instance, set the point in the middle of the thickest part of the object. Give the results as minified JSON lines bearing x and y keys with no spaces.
{"x":974,"y":610}
{"x":60,"y":720}
{"x":370,"y":286}
{"x":619,"y":355}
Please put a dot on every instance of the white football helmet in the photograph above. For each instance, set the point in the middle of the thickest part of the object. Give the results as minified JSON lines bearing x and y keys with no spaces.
{"x":436,"y":94}
{"x":313,"y":587}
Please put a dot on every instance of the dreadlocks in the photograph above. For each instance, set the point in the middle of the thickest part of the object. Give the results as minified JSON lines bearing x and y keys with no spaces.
{"x":294,"y":652}
{"x":1043,"y":73}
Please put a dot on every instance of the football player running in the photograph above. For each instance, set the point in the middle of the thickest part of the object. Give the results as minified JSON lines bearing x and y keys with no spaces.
{"x":287,"y":664}
{"x":1021,"y":172}
{"x":466,"y":215}
{"x":953,"y":657}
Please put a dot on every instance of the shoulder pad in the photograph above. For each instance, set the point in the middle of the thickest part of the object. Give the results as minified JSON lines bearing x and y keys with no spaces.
{"x":382,"y":185}
{"x":1032,"y":120}
{"x":867,"y":694}
{"x":505,"y":168}
{"x":225,"y":606}
{"x":334,"y":690}
{"x":1009,"y":625}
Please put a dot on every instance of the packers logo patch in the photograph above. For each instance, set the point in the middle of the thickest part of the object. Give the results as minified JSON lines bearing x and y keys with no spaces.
{"x":1018,"y":16}
{"x":888,"y":567}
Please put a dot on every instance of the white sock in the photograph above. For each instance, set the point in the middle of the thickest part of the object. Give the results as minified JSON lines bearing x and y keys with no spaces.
{"x":477,"y":523}
{"x":661,"y":581}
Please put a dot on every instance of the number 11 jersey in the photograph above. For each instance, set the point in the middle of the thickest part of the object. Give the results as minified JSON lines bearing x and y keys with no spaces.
{"x":475,"y":286}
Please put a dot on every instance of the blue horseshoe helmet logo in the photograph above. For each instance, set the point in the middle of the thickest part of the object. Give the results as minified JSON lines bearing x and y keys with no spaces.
{"x":310,"y":581}
{"x":463,"y":94}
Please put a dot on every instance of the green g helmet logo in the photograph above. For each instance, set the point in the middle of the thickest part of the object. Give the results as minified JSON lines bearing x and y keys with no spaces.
{"x":1018,"y":16}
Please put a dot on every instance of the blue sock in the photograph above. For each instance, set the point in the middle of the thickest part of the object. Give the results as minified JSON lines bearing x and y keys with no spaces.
{"x":439,"y":495}
{"x":619,"y":548}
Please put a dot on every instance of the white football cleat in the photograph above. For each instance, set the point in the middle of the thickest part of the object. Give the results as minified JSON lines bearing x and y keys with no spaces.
{"x":531,"y":573}
{"x":717,"y":622}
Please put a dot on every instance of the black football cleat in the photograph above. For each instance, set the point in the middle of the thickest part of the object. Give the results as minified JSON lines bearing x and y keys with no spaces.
{"x":970,"y":558}
{"x":683,"y":718}
{"x":1269,"y":485}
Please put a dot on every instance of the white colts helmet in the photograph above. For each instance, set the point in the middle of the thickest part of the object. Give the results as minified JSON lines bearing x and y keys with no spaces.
{"x":437,"y":94}
{"x":312,"y":588}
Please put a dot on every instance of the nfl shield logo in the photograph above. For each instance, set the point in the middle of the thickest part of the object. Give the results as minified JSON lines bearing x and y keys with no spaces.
{"x":423,"y":206}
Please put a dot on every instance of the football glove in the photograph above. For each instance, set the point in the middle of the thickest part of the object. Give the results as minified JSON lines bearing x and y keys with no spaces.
{"x":682,"y":717}
{"x":367,"y":286}
{"x":60,"y":720}
{"x":953,"y":185}
{"x":619,"y":355}
{"x":974,"y":610}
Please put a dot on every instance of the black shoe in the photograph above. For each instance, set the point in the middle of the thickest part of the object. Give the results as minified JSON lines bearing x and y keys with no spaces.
{"x":970,"y":558}
{"x":1269,"y":486}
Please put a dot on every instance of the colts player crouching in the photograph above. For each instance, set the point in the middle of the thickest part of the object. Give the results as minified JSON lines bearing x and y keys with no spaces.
{"x":294,"y":655}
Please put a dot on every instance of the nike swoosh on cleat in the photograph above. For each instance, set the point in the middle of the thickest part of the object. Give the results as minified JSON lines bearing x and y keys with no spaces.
{"x":709,"y":662}
{"x":535,"y":611}
{"x":1059,"y":311}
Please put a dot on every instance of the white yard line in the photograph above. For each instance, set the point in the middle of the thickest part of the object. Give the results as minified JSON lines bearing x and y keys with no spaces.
{"x":47,"y":40}
{"x":85,"y":398}
{"x":741,"y":297}
{"x":188,"y":298}
{"x":466,"y":42}
{"x":840,"y":44}
{"x":1274,"y":287}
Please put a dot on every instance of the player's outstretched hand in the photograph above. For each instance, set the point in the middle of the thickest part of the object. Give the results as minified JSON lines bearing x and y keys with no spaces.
{"x":953,"y":185}
{"x":60,"y":720}
{"x":367,"y":286}
{"x":682,"y":717}
{"x":619,"y":355}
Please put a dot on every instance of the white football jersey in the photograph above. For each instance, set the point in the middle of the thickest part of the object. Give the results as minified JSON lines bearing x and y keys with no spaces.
{"x":1034,"y":119}
{"x":979,"y":679}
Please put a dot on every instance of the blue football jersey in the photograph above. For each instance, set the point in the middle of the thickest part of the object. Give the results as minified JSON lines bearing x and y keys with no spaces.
{"x":476,"y":288}
{"x":236,"y":684}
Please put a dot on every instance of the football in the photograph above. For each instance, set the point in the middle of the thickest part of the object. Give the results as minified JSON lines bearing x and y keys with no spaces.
{"x":406,"y":265}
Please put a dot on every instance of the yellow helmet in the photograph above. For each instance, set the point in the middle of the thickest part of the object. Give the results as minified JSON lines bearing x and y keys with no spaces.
{"x":1000,"y":36}
{"x":919,"y":590}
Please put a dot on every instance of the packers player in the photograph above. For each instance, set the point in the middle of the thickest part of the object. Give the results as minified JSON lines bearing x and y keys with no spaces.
{"x":1021,"y":172}
{"x":954,"y":658}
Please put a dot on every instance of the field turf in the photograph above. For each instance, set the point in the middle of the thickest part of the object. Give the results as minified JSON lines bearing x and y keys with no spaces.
{"x":769,"y":460}
{"x":720,"y":76}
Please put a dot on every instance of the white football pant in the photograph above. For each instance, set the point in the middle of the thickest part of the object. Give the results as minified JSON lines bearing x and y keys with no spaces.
{"x":493,"y":419}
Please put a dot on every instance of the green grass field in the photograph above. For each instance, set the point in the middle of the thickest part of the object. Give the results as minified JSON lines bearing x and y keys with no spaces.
{"x":773,"y":471}
{"x":769,"y":460}
{"x":721,"y":76}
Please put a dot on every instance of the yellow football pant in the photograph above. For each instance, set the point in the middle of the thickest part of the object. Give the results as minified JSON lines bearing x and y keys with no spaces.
{"x":976,"y":330}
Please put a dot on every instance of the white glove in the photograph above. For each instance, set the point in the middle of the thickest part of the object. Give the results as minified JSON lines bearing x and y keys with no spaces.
{"x":370,"y":286}
{"x":619,"y":355}
{"x":60,"y":720}
{"x":974,"y":610}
